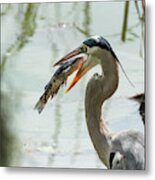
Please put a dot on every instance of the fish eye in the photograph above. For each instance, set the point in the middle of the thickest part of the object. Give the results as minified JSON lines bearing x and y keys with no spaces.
{"x":84,"y":49}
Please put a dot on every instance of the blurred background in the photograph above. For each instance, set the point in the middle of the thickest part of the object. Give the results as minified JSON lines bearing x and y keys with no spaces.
{"x":33,"y":38}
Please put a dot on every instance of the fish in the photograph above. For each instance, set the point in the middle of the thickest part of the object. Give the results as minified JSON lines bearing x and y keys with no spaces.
{"x":58,"y":79}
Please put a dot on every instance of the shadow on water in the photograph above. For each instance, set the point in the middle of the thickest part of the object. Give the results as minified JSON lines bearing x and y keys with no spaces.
{"x":57,"y":12}
{"x":141,"y":20}
{"x":56,"y":133}
{"x":5,"y":9}
{"x":77,"y":130}
{"x":79,"y":118}
{"x":81,"y":10}
{"x":54,"y":49}
{"x":28,"y":27}
{"x":8,"y":140}
{"x":87,"y":18}
{"x":75,"y":12}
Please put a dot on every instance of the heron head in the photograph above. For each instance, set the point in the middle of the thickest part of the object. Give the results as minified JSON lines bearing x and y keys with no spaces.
{"x":90,"y":48}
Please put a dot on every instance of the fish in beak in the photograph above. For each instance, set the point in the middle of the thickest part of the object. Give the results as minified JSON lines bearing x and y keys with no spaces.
{"x":70,"y":55}
{"x":85,"y":66}
{"x":58,"y":79}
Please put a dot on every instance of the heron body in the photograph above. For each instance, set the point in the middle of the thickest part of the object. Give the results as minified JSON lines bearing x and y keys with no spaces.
{"x":128,"y":147}
{"x":100,"y":88}
{"x":110,"y":147}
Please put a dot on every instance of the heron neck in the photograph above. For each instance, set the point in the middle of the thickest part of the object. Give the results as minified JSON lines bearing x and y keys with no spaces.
{"x":98,"y":90}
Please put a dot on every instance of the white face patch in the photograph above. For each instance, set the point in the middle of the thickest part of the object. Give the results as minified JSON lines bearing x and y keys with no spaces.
{"x":93,"y":50}
{"x":92,"y":58}
{"x":96,"y":37}
{"x":91,"y":62}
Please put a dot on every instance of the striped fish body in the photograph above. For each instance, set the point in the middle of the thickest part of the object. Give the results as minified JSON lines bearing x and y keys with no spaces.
{"x":57,"y":80}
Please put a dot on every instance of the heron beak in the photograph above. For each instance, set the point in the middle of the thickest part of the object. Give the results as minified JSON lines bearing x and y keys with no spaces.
{"x":83,"y":67}
{"x":70,"y":55}
{"x":86,"y":66}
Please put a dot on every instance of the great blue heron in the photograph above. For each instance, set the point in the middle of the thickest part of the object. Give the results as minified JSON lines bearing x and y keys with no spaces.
{"x":123,"y":150}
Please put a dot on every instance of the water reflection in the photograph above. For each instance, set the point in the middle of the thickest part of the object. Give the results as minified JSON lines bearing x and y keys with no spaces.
{"x":9,"y":145}
{"x":28,"y":26}
{"x":56,"y":133}
{"x":37,"y":40}
{"x":79,"y":118}
{"x":5,"y":9}
{"x":57,"y":12}
{"x":87,"y":18}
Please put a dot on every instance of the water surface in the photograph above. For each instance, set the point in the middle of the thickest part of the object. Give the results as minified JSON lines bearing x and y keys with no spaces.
{"x":34,"y":37}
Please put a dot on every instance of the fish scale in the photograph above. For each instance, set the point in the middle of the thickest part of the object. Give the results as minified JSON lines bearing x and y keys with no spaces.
{"x":58,"y":79}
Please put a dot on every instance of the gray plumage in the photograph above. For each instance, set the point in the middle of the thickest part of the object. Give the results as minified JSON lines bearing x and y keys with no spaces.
{"x":130,"y":144}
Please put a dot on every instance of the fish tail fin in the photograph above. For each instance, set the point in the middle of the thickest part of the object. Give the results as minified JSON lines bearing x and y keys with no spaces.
{"x":42,"y":102}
